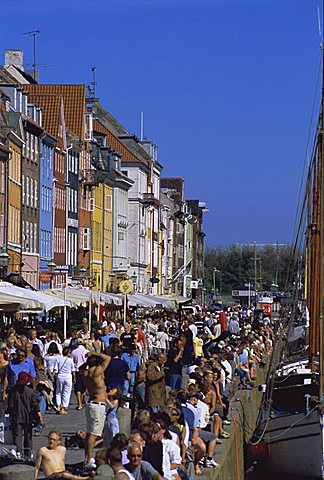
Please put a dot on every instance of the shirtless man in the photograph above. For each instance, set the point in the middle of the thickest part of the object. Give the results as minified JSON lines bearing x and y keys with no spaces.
{"x":52,"y":459}
{"x":92,"y":372}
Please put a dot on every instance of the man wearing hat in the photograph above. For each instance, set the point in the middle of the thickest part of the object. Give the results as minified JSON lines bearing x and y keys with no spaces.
{"x":23,"y":407}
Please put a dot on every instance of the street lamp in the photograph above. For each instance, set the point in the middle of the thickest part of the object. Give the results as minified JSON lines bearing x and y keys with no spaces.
{"x":83,"y":271}
{"x":4,"y":262}
{"x":51,"y":266}
{"x":134,"y":281}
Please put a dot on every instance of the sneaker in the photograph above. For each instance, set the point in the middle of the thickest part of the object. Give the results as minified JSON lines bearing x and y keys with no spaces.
{"x":224,"y":435}
{"x":210,"y":463}
{"x":90,"y":464}
{"x":226,"y":422}
{"x":218,"y":441}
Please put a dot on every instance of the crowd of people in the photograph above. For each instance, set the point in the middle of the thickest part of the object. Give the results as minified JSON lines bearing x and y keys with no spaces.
{"x":176,"y":375}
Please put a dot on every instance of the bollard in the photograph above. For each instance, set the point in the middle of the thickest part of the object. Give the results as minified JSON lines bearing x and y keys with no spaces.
{"x":17,"y":472}
{"x":124,"y":416}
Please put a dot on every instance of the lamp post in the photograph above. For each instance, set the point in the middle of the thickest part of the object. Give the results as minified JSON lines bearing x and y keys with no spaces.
{"x":4,"y":262}
{"x":134,"y":281}
{"x":51,"y":266}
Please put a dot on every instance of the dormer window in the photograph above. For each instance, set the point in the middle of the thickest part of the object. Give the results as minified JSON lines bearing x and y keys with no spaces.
{"x":19,"y":101}
{"x":116,"y":160}
{"x":24,"y":103}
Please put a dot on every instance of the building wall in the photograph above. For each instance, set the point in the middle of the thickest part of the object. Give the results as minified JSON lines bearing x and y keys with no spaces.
{"x":120,"y":219}
{"x":14,"y":207}
{"x":84,"y":213}
{"x":72,"y":212}
{"x":137,"y":214}
{"x":107,"y":236}
{"x":59,"y":236}
{"x":3,"y":200}
{"x":97,"y":238}
{"x":30,"y":205}
{"x":46,"y":207}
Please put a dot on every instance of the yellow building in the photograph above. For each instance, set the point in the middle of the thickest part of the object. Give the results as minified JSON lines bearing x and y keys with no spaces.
{"x":15,"y":146}
{"x":96,"y":261}
{"x":107,"y":236}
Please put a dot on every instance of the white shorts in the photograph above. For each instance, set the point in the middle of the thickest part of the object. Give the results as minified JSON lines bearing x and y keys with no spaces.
{"x":95,"y":418}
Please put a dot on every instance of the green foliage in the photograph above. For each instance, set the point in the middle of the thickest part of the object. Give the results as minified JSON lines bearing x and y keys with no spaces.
{"x":236,"y":265}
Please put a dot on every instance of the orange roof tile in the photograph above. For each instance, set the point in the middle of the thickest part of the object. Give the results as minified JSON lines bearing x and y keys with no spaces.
{"x":114,"y":143}
{"x":51,"y":106}
{"x":74,"y":97}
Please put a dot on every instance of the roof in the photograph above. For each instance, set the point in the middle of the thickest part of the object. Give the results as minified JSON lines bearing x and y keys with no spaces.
{"x":116,"y":144}
{"x":52,"y":108}
{"x":176,"y":185}
{"x":74,"y":97}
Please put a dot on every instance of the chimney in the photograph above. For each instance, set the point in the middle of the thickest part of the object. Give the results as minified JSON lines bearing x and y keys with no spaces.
{"x":14,"y":57}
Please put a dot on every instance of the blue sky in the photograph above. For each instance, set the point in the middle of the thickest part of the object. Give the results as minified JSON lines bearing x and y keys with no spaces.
{"x":226,"y":87}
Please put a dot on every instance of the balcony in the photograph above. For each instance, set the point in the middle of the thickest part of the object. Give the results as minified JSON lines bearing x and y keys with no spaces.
{"x":149,"y":200}
{"x":89,"y":178}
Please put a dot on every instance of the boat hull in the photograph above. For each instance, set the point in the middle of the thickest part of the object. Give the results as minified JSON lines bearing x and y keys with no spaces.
{"x":295,"y":444}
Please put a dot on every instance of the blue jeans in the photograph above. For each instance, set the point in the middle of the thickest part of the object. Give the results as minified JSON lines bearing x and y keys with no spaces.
{"x":175,"y":381}
{"x":42,"y":402}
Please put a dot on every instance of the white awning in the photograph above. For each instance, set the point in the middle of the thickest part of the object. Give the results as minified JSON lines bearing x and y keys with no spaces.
{"x":82,"y":296}
{"x":29,"y":299}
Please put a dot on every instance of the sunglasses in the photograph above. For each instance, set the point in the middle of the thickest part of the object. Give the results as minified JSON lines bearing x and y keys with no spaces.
{"x":136,"y":456}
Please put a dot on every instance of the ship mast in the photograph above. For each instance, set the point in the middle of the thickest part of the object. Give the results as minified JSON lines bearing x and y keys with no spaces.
{"x":320,"y":331}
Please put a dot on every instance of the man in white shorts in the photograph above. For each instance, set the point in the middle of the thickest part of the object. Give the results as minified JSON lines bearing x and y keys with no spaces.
{"x":93,"y":376}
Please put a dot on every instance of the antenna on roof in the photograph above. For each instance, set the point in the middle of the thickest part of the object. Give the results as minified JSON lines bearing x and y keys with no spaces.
{"x":94,"y":81}
{"x":142,"y":127}
{"x":33,"y":33}
{"x":92,"y":87}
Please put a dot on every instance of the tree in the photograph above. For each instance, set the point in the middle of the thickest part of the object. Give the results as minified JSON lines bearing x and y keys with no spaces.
{"x":236,"y":265}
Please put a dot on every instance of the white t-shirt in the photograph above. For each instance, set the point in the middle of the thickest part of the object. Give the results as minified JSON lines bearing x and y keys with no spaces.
{"x":194,"y":330}
{"x":171,"y":454}
{"x":161,"y":340}
{"x":228,"y":368}
{"x":64,"y":366}
{"x":204,"y":414}
{"x":50,"y":361}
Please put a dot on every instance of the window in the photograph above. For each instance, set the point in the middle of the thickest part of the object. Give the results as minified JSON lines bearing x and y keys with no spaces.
{"x":27,"y":191}
{"x":108,"y":205}
{"x":180,"y":251}
{"x":36,"y":194}
{"x":23,"y":190}
{"x":86,"y":238}
{"x":121,"y":236}
{"x":31,"y":192}
{"x":27,"y":237}
{"x":91,"y":204}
